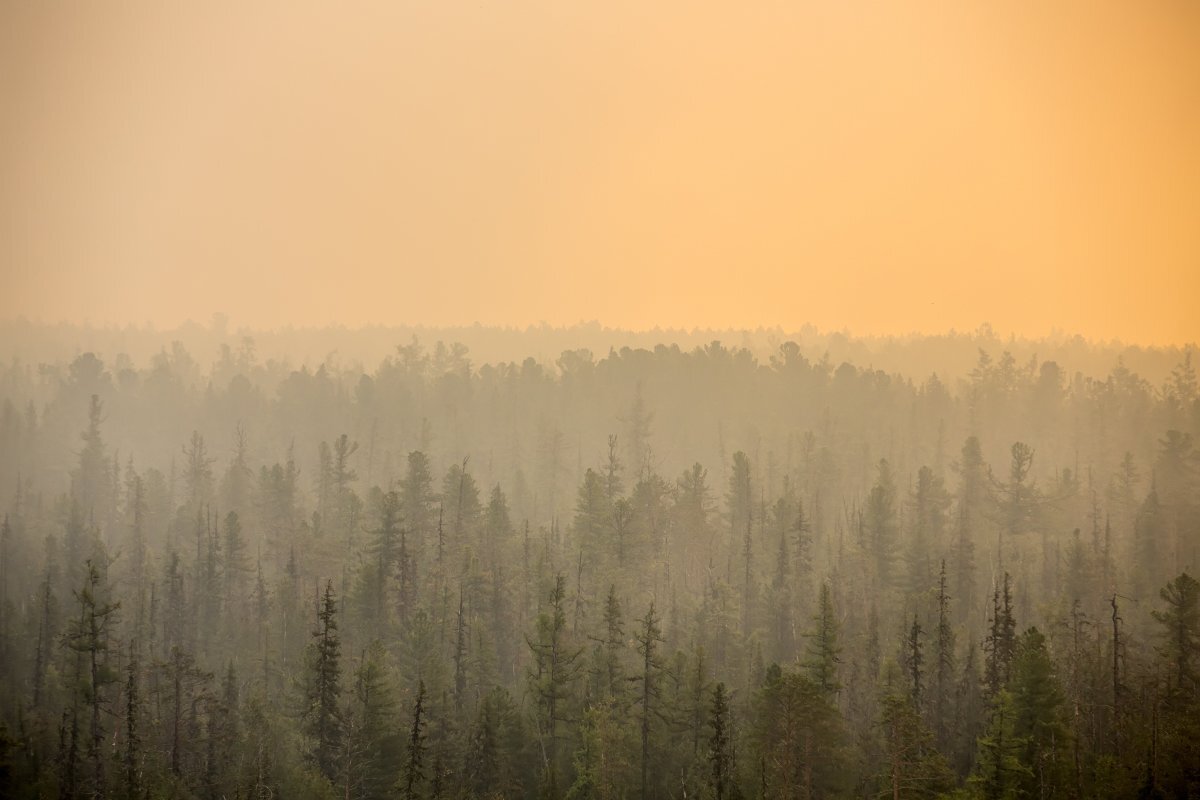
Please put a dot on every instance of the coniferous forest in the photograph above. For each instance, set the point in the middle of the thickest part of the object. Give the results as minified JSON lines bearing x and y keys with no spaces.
{"x":659,"y":572}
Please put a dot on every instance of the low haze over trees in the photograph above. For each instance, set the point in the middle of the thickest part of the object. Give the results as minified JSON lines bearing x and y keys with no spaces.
{"x":667,"y":572}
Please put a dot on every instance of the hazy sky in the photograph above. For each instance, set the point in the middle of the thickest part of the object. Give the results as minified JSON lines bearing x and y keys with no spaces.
{"x":878,"y":166}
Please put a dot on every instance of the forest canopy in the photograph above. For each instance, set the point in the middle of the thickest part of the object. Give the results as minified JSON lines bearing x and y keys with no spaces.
{"x":659,"y":569}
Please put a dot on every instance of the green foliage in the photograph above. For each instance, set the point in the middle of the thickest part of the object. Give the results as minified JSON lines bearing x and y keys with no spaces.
{"x":323,"y":721}
{"x":999,"y":770}
{"x":800,"y":745}
{"x":816,"y":628}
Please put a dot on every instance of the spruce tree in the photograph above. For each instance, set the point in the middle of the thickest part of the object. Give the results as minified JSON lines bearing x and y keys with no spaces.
{"x":1037,"y":703}
{"x":823,"y":650}
{"x":721,"y":748}
{"x":944,"y":666}
{"x":552,"y":675}
{"x":322,"y":717}
{"x":414,"y":764}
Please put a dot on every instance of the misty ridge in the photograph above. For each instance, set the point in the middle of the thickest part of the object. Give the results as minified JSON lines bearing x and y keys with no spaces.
{"x":475,"y":562}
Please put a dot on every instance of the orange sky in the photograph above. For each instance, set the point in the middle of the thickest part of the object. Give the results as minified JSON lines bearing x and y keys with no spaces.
{"x":886,"y":166}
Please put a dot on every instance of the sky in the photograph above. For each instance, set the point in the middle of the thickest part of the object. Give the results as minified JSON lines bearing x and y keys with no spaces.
{"x":882,"y":166}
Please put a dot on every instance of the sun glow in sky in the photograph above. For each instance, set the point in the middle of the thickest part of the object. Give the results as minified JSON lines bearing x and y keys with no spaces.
{"x":884,"y":167}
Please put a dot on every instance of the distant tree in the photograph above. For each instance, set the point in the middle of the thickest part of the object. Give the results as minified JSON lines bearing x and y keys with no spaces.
{"x":89,"y":481}
{"x":236,"y":567}
{"x":1001,"y":641}
{"x":881,"y":525}
{"x":823,"y":649}
{"x":944,"y":666}
{"x":384,"y":553}
{"x":914,"y":662}
{"x":927,"y":530}
{"x":1149,"y":532}
{"x":1181,"y":635}
{"x":739,"y":503}
{"x":592,"y":515}
{"x":419,"y":502}
{"x":609,"y":673}
{"x":197,"y":472}
{"x":497,"y":524}
{"x":460,"y":495}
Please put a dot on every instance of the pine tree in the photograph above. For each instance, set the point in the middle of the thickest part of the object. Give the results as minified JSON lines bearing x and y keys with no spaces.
{"x":225,"y":727}
{"x":88,"y":638}
{"x":375,"y":710}
{"x":880,"y":524}
{"x":46,"y":634}
{"x":236,"y":566}
{"x":136,"y":504}
{"x":1037,"y":702}
{"x":823,"y":649}
{"x":914,"y":768}
{"x":610,"y":679}
{"x":182,"y":678}
{"x":721,"y":748}
{"x":197,"y":472}
{"x":132,"y":757}
{"x":1148,"y":533}
{"x":323,"y":718}
{"x":999,"y":770}
{"x":88,"y":481}
{"x":739,"y":502}
{"x":798,"y":738}
{"x":497,"y":525}
{"x":414,"y":765}
{"x":1175,"y":756}
{"x":496,"y":751}
{"x":648,"y":640}
{"x":944,"y":666}
{"x":461,"y":495}
{"x":969,"y":714}
{"x":973,"y":501}
{"x":551,"y":676}
{"x":460,"y":655}
{"x":592,"y":516}
{"x":377,"y":571}
{"x":1001,"y":641}
{"x":914,"y":661}
{"x":1181,"y":635}
{"x":602,"y":763}
{"x":418,"y":500}
{"x":929,"y":504}
{"x":697,"y":693}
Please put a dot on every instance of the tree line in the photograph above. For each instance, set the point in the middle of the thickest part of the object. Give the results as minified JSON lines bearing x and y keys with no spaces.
{"x":861,"y":585}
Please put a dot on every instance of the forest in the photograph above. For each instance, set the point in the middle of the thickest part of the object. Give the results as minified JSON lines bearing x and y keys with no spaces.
{"x":659,"y":571}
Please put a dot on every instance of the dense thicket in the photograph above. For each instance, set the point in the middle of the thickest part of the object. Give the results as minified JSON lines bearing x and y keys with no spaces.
{"x":660,"y":573}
